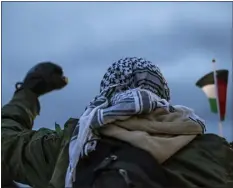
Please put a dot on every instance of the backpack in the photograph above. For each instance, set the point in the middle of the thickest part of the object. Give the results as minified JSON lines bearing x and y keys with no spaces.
{"x":115,"y":163}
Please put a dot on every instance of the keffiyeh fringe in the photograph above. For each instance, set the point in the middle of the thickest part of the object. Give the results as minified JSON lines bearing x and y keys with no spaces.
{"x":130,"y":86}
{"x":121,"y":107}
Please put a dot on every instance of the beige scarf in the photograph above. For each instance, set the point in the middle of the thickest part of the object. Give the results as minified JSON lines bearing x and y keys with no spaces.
{"x":160,"y":133}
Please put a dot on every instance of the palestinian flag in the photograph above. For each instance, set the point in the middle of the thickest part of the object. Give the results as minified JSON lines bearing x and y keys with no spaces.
{"x":207,"y":84}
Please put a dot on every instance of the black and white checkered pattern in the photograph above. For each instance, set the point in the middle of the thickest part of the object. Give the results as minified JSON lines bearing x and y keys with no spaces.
{"x":132,"y":73}
{"x":131,"y":86}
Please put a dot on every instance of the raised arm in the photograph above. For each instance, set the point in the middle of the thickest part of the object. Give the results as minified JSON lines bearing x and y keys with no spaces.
{"x":28,"y":156}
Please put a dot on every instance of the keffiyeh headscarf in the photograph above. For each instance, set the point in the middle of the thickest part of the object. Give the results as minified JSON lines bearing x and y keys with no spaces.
{"x":132,"y":73}
{"x":130,"y":86}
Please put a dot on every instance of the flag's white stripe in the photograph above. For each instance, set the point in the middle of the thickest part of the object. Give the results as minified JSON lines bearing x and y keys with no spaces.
{"x":210,"y":91}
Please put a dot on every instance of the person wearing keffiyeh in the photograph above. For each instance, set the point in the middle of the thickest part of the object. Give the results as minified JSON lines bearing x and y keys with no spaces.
{"x":130,"y":135}
{"x":130,"y":87}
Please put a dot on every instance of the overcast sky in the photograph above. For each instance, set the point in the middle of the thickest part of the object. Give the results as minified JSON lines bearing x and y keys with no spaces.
{"x":86,"y":37}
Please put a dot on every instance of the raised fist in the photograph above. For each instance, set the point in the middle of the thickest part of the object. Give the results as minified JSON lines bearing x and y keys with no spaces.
{"x":43,"y":78}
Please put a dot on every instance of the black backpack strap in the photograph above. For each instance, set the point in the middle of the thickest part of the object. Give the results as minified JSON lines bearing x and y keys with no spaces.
{"x":126,"y":168}
{"x":130,"y":172}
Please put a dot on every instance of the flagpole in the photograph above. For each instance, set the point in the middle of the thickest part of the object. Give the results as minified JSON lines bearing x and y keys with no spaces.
{"x":216,"y":91}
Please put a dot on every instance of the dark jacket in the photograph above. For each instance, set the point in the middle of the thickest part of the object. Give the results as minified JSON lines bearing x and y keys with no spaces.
{"x":40,"y":157}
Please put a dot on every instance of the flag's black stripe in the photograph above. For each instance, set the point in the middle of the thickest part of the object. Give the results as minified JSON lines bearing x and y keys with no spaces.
{"x":209,"y":78}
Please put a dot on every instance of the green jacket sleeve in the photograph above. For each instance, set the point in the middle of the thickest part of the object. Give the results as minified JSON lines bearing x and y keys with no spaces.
{"x":28,"y":156}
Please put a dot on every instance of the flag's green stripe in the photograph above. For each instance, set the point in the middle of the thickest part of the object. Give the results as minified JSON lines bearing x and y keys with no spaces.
{"x":213,"y":105}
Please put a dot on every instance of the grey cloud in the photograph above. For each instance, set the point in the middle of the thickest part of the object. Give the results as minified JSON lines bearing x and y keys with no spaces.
{"x":180,"y":37}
